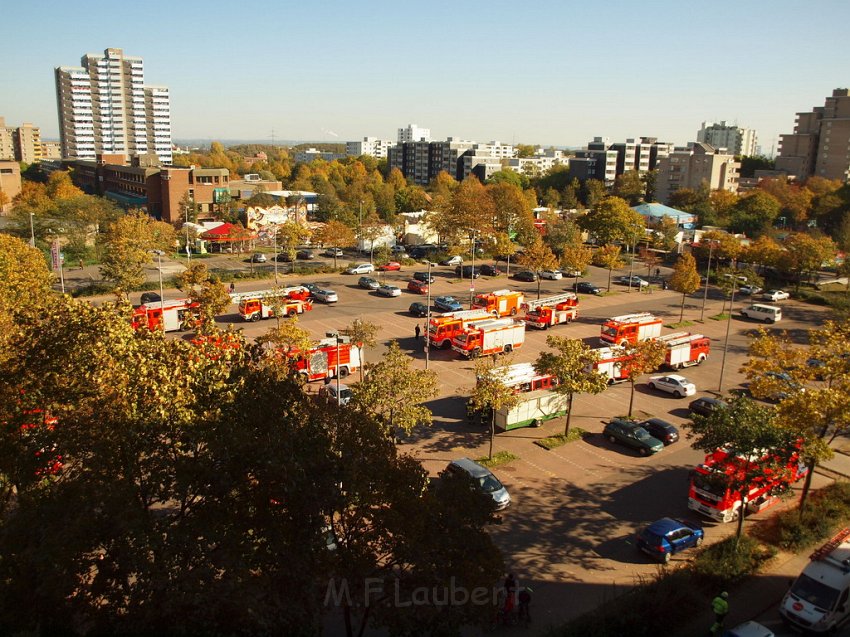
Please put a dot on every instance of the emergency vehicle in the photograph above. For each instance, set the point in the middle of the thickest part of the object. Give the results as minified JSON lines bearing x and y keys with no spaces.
{"x":170,"y":316}
{"x":685,"y":349}
{"x":292,"y":292}
{"x":612,"y":363}
{"x":709,"y":494}
{"x":630,"y":329}
{"x":553,"y":310}
{"x":444,"y":327}
{"x":258,"y":307}
{"x":535,"y":408}
{"x":494,"y":336}
{"x":817,"y":601}
{"x":500,"y":302}
{"x":321,"y":360}
{"x":522,"y":377}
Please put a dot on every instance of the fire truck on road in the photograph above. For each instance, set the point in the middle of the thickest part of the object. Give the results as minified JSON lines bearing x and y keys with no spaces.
{"x":326,"y":356}
{"x":494,"y":336}
{"x":630,"y":329}
{"x":685,"y":349}
{"x":500,"y":302}
{"x":259,"y":307}
{"x":613,"y":363}
{"x":444,"y":327}
{"x":553,"y":310}
{"x":710,"y":494}
{"x":522,"y":377}
{"x":169,"y":316}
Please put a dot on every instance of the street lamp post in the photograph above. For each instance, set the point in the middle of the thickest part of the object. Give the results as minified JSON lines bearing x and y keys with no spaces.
{"x":707,"y":275}
{"x":472,"y":273}
{"x":32,"y":231}
{"x":726,"y":342}
{"x":336,"y":337}
{"x":188,"y":251}
{"x":161,"y":297}
{"x":631,"y":266}
{"x":428,"y":319}
{"x":275,"y":254}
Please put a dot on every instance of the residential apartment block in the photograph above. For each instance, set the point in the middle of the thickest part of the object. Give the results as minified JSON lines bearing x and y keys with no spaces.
{"x":105,"y":107}
{"x":311,"y":154}
{"x":604,"y":161}
{"x":691,"y":167}
{"x":412,"y":133}
{"x":422,"y":161}
{"x":10,"y":183}
{"x":820,"y":143}
{"x":370,"y":146}
{"x":22,"y":143}
{"x":739,"y":141}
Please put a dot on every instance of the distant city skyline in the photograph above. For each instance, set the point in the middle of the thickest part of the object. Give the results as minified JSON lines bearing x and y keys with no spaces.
{"x":548,"y":73}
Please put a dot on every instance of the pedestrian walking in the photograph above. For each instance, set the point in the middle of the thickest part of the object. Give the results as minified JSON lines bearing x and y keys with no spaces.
{"x":418,"y":331}
{"x":525,"y":605}
{"x":657,"y":272}
{"x":232,"y":287}
{"x":720,"y":606}
{"x":81,"y":264}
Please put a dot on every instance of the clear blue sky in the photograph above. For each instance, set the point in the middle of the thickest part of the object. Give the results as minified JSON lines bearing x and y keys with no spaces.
{"x":542,"y":72}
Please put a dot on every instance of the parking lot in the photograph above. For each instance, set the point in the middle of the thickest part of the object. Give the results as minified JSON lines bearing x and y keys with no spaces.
{"x":575,"y":509}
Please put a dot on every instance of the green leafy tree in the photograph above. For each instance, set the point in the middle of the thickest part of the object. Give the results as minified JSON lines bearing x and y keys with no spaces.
{"x":645,"y":357}
{"x":576,"y":257}
{"x":755,"y":213}
{"x":561,"y":233}
{"x":744,"y":431}
{"x":630,"y":187}
{"x":804,"y":253}
{"x":289,"y":236}
{"x":127,"y":246}
{"x":608,"y":257}
{"x":364,"y":334}
{"x":538,"y":257}
{"x":612,"y":221}
{"x":490,"y":392}
{"x":504,"y":246}
{"x":205,"y":289}
{"x":685,"y":279}
{"x":393,"y":392}
{"x":571,"y":363}
{"x":594,"y":191}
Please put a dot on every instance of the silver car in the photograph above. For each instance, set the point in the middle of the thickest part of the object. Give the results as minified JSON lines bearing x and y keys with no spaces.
{"x":325,"y":296}
{"x":484,"y":479}
{"x":389,"y":290}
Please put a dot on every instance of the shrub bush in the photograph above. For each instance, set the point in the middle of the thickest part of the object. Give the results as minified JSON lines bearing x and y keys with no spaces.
{"x":729,"y":561}
{"x":558,"y":440}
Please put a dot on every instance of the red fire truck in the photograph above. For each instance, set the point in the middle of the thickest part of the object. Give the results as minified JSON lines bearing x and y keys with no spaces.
{"x":522,"y":377}
{"x":710,"y":494}
{"x":494,"y":336}
{"x":685,"y":349}
{"x":326,"y":356}
{"x":499,"y":302}
{"x":613,"y":363}
{"x":254,"y":308}
{"x":630,"y":329}
{"x":553,"y":310}
{"x":444,"y":327}
{"x":170,"y":316}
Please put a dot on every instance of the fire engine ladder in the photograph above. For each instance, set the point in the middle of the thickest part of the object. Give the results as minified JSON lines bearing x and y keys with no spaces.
{"x":237,"y":297}
{"x":830,"y":546}
{"x":467,"y":314}
{"x":549,"y":301}
{"x":632,"y":318}
{"x":671,"y":340}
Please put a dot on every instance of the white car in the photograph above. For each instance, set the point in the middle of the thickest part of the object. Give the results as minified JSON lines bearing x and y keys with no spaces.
{"x":361,"y":268}
{"x":455,"y":260}
{"x":749,"y":290}
{"x":389,"y":290}
{"x":776,"y":295}
{"x":554,"y":275}
{"x":325,"y":296}
{"x":673,"y":384}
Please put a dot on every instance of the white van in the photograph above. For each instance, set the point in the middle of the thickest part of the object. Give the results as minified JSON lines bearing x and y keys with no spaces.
{"x":817,"y":601}
{"x":766,"y":313}
{"x":329,"y":391}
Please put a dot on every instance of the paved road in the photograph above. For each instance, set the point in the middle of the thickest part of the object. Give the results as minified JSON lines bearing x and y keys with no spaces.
{"x":575,"y":510}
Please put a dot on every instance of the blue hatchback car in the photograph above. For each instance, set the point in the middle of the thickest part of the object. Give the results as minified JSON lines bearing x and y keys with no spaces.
{"x":448,"y":304}
{"x":667,"y":536}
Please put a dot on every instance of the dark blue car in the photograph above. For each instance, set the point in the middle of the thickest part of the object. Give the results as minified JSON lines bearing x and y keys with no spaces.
{"x":448,"y":304}
{"x":667,"y":536}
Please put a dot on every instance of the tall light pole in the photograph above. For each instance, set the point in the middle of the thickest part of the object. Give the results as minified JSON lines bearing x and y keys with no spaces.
{"x":428,"y":319}
{"x":631,"y":267}
{"x":188,"y":251}
{"x":32,"y":231}
{"x":360,"y":229}
{"x":161,"y":297}
{"x":275,"y":254}
{"x":726,"y":342}
{"x":472,"y":273}
{"x":336,"y":337}
{"x":707,"y":275}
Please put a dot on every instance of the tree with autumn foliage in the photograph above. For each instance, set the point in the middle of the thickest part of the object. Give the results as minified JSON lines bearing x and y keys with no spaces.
{"x":644,"y":357}
{"x":491,"y":393}
{"x":206,"y":289}
{"x":608,"y":257}
{"x":538,"y":257}
{"x":685,"y":279}
{"x":364,"y":334}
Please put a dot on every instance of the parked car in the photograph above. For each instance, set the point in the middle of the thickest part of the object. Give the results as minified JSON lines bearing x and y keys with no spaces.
{"x":784,"y":380}
{"x":455,"y":260}
{"x":631,"y":434}
{"x":572,"y":273}
{"x":490,"y":270}
{"x":552,"y":275}
{"x":424,"y":277}
{"x":391,"y":266}
{"x":775,"y":295}
{"x":305,"y":255}
{"x":368,"y":283}
{"x":283,"y":256}
{"x":325,"y":296}
{"x":419,"y":287}
{"x":468,"y":272}
{"x":749,"y":290}
{"x":448,"y":304}
{"x":389,"y":290}
{"x":311,"y":287}
{"x":150,"y":297}
{"x":749,"y":629}
{"x":586,"y":287}
{"x":329,"y":393}
{"x":418,"y":309}
{"x":704,"y":406}
{"x":525,"y":275}
{"x":635,"y":281}
{"x":661,"y":430}
{"x":258,"y":257}
{"x":673,"y":384}
{"x":361,"y":268}
{"x":761,"y":312}
{"x":333,"y":252}
{"x":398,"y":249}
{"x":667,"y":536}
{"x":483,"y":479}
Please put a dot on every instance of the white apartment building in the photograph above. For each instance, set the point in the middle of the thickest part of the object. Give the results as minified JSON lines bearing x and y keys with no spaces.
{"x":105,"y":107}
{"x":738,"y":141}
{"x":412,"y":133}
{"x":311,"y":154}
{"x":371,"y":146}
{"x":495,"y":149}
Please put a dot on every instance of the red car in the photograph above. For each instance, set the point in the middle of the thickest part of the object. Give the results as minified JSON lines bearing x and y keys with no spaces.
{"x":420,"y":287}
{"x":392,"y":265}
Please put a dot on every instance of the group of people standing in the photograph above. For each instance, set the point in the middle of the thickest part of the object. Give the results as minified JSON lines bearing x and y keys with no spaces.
{"x":514,"y":603}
